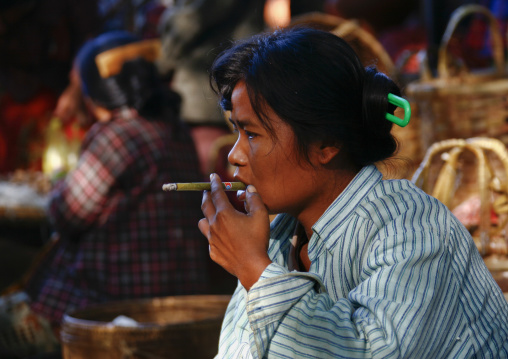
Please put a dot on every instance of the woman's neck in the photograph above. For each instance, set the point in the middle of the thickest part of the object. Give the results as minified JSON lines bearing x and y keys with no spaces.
{"x":330,"y":187}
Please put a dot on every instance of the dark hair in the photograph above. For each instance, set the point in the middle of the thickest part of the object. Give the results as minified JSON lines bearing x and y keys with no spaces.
{"x":314,"y":81}
{"x":138,"y":85}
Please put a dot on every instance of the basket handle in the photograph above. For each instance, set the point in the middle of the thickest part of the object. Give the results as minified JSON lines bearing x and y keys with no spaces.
{"x":457,"y":16}
{"x":420,"y":177}
{"x":499,"y":149}
{"x":483,"y":180}
{"x":351,"y":27}
{"x":443,"y":188}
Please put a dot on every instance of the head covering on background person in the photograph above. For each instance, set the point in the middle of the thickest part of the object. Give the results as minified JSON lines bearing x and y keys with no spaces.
{"x":137,"y":85}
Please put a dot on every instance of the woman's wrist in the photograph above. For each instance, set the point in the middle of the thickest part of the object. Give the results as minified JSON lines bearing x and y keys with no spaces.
{"x":252,"y":275}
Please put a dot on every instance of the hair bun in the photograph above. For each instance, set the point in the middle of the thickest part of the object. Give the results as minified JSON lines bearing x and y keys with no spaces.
{"x":376,"y":88}
{"x":377,"y":129}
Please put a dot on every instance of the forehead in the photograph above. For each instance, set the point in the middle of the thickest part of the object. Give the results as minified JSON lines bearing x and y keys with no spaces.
{"x":244,"y":115}
{"x":243,"y":112}
{"x":240,"y":100}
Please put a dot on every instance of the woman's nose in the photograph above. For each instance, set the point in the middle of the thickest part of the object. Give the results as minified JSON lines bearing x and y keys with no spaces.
{"x":236,"y":156}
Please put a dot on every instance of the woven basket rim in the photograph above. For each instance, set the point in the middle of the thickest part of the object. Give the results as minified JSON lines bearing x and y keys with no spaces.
{"x":218,"y":302}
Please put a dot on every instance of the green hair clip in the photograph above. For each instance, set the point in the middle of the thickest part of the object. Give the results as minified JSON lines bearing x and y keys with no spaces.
{"x":404,"y":104}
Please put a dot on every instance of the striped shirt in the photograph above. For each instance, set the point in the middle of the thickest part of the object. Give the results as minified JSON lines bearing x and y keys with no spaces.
{"x":394,"y":275}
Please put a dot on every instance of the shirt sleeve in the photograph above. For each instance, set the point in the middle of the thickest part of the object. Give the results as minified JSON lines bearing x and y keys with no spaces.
{"x":388,"y":315}
{"x":78,"y":202}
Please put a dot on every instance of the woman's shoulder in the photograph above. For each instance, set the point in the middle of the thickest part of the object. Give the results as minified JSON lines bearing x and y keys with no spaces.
{"x":393,"y":199}
{"x":138,"y":129}
{"x":130,"y":134}
{"x":134,"y":124}
{"x":403,"y":191}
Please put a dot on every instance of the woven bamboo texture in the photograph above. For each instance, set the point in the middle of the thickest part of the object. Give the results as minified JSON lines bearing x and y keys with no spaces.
{"x":455,"y":170}
{"x":459,"y":103}
{"x":170,"y":327}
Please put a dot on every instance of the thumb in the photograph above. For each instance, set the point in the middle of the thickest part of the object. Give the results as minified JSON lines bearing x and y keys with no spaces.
{"x":253,"y":201}
{"x":204,"y":227}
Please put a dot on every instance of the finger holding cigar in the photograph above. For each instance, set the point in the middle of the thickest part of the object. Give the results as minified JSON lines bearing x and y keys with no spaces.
{"x":237,"y":241}
{"x":202,"y":186}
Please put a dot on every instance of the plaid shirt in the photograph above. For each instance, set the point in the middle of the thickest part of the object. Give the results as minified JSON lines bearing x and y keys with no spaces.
{"x":121,"y":236}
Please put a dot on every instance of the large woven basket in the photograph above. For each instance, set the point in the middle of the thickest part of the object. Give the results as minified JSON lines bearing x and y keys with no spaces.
{"x":170,"y":327}
{"x":456,"y":171}
{"x":462,"y":103}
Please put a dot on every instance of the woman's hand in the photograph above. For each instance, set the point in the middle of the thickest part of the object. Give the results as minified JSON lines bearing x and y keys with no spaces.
{"x":71,"y":105}
{"x":238,"y":241}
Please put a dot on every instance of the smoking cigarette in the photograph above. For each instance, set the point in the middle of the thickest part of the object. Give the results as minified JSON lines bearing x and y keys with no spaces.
{"x":202,"y":186}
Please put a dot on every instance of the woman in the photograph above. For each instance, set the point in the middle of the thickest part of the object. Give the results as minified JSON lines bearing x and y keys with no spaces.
{"x":121,"y":236}
{"x":354,"y":266}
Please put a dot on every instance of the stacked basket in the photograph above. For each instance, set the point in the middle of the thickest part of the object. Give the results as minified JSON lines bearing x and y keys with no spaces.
{"x":463,"y":116}
{"x":472,"y":173}
{"x":462,"y":103}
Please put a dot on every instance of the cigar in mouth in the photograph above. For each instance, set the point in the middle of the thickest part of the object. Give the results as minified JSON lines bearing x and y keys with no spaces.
{"x":202,"y":186}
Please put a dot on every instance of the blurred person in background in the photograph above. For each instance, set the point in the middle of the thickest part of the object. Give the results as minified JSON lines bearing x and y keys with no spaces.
{"x":140,"y":19}
{"x":192,"y":33}
{"x":120,"y":236}
{"x":38,"y":42}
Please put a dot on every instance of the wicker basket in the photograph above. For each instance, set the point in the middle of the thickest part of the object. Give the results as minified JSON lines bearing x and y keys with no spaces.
{"x":456,"y":170}
{"x":462,"y":103}
{"x":171,"y":327}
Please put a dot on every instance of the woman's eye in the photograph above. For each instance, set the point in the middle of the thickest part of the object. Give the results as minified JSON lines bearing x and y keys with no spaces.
{"x":250,"y":134}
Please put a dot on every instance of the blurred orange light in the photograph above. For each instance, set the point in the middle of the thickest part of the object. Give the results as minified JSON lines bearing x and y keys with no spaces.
{"x":277,"y":13}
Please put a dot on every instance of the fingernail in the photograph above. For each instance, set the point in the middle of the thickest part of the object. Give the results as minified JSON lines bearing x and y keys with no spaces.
{"x":251,"y":189}
{"x":212,"y":175}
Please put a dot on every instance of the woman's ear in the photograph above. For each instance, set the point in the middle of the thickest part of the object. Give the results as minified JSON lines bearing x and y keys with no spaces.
{"x":327,"y":152}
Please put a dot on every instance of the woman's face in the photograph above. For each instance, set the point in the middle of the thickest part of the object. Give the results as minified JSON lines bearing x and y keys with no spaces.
{"x":271,"y":165}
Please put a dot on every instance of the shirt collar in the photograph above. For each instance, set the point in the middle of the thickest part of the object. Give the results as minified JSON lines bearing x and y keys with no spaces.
{"x":340,"y":210}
